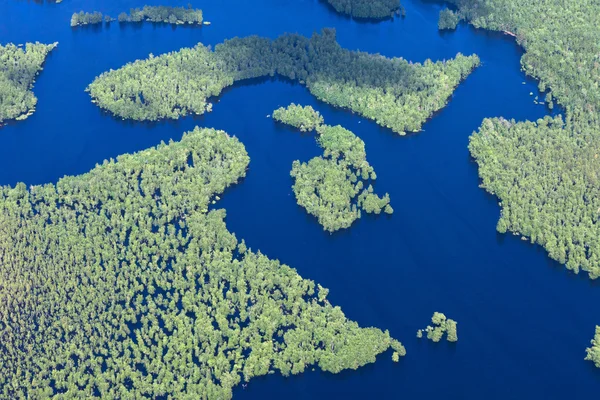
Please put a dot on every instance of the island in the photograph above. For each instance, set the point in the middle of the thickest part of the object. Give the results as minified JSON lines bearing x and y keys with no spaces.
{"x":593,"y":353}
{"x":164,"y":14}
{"x":368,"y":9}
{"x":547,"y":171}
{"x":120,"y":283}
{"x":393,"y":92}
{"x":441,"y":326}
{"x":155,"y":14}
{"x":18,"y":69}
{"x":87,"y":18}
{"x":333,"y":187}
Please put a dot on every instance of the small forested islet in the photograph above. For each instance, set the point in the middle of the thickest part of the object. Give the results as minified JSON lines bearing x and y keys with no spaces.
{"x":547,"y":170}
{"x":87,"y":18}
{"x":393,"y":92}
{"x":441,"y":326}
{"x":18,"y":69}
{"x":304,"y":118}
{"x":156,"y":14}
{"x":165,"y":14}
{"x":593,"y":353}
{"x":120,"y":283}
{"x":333,"y":187}
{"x":368,"y":9}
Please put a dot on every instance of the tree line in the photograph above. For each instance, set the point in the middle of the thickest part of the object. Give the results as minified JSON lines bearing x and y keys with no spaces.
{"x":368,"y":9}
{"x":393,"y":92}
{"x":155,"y":14}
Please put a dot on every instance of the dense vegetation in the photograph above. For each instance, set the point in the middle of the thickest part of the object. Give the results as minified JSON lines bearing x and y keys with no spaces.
{"x":169,"y":15}
{"x":332,"y":187}
{"x":86,"y":18}
{"x":306,"y":118}
{"x":18,"y":68}
{"x":593,"y":353}
{"x":373,"y":9}
{"x":393,"y":92}
{"x":441,"y":326}
{"x":548,"y":182}
{"x":120,"y":284}
{"x":448,"y":19}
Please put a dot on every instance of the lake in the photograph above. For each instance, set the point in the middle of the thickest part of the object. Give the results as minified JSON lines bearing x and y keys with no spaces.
{"x":524,"y":321}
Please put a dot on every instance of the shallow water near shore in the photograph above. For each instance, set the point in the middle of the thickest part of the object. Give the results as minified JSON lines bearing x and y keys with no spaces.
{"x":523,"y":321}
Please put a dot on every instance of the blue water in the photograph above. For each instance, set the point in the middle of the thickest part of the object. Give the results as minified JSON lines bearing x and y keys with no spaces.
{"x":524,"y":321}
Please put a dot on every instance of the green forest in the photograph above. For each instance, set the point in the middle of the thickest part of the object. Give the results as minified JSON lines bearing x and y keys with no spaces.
{"x":120,"y":283}
{"x":371,"y":9}
{"x":155,"y":14}
{"x":165,"y":14}
{"x":593,"y":353}
{"x":547,"y":171}
{"x":18,"y":69}
{"x":393,"y":92}
{"x":87,"y":18}
{"x":448,"y":19}
{"x":332,"y":187}
{"x":441,"y":326}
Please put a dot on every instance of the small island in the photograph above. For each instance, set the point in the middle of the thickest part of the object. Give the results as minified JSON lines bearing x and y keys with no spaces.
{"x":155,"y":14}
{"x":18,"y":69}
{"x":393,"y":92}
{"x":593,"y":353}
{"x":368,"y":9}
{"x":333,"y":187}
{"x":87,"y":18}
{"x":441,"y":326}
{"x":164,"y":14}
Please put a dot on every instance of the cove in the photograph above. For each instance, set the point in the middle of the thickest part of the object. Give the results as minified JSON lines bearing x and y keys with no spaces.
{"x":524,"y":321}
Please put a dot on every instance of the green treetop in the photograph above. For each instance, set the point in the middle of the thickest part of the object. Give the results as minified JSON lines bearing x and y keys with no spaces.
{"x":18,"y":69}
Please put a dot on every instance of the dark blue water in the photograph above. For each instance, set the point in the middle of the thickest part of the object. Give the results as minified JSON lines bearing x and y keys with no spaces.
{"x":524,"y":321}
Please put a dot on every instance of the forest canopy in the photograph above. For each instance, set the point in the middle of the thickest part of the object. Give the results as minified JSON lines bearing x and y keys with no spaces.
{"x":332,"y":187}
{"x":165,"y":14}
{"x":155,"y":14}
{"x":448,"y":19}
{"x":548,"y":170}
{"x":120,"y":283}
{"x":441,"y":325}
{"x":593,"y":353}
{"x":391,"y":91}
{"x":372,"y":9}
{"x":18,"y":69}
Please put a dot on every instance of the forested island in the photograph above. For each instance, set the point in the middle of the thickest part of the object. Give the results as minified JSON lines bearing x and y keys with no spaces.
{"x":441,"y":326}
{"x":593,"y":353}
{"x":18,"y":69}
{"x":156,"y":14}
{"x":333,"y":187}
{"x":120,"y":284}
{"x":165,"y":14}
{"x":87,"y":18}
{"x":548,"y":170}
{"x":368,"y":9}
{"x":393,"y":92}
